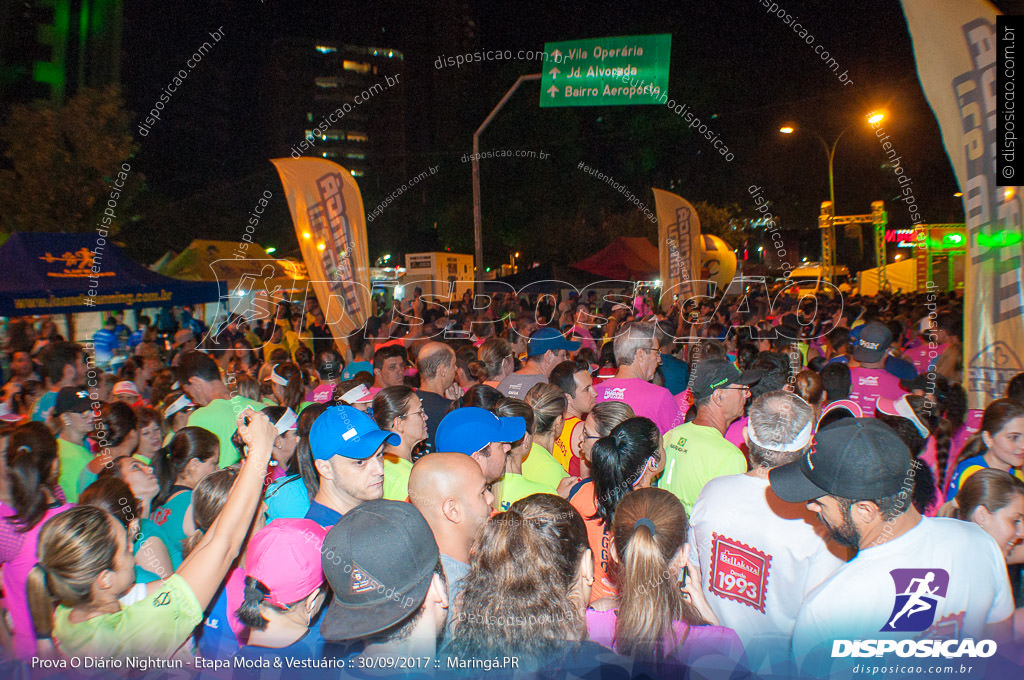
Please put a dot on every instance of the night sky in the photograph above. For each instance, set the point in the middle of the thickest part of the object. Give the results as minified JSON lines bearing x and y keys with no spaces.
{"x":743,"y":71}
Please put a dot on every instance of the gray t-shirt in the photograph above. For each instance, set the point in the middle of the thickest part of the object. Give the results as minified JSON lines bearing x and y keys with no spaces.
{"x":516,"y":385}
{"x":453,"y":571}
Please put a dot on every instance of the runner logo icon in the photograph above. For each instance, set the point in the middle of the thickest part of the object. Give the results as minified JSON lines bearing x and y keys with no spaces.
{"x":918,"y":592}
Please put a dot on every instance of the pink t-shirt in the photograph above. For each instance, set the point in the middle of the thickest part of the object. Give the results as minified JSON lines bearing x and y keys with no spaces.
{"x":735,"y":434}
{"x":924,"y":358}
{"x":18,"y":554}
{"x":868,"y":384}
{"x":706,"y":647}
{"x":971,"y":427}
{"x":647,"y":400}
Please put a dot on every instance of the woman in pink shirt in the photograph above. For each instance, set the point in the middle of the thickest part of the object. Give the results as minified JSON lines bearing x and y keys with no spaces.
{"x":657,"y":618}
{"x":33,"y":468}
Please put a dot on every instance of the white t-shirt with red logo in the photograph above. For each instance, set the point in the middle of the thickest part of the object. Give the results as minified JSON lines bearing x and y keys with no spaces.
{"x":868,"y":384}
{"x":943,"y":579}
{"x":759,"y":557}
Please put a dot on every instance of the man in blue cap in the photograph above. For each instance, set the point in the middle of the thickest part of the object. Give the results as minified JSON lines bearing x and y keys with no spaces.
{"x":481,"y":435}
{"x":348,"y":453}
{"x":547,"y":348}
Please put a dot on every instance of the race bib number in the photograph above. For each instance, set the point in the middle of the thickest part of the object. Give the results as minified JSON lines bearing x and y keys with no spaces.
{"x":738,"y":572}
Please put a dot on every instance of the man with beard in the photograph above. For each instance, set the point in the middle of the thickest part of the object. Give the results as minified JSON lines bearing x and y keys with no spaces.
{"x":858,"y":477}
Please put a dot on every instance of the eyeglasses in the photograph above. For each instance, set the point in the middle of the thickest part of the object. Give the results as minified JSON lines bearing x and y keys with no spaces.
{"x":421,"y":412}
{"x":745,"y":388}
{"x":587,"y":435}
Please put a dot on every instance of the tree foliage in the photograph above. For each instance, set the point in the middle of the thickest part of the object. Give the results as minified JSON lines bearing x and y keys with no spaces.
{"x":61,"y":161}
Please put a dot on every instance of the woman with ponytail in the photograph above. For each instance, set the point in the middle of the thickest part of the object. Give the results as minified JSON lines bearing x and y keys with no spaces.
{"x":399,"y":410}
{"x":659,"y":617}
{"x":286,"y":385}
{"x":284,"y":590}
{"x":527,"y":589}
{"x":289,"y":496}
{"x":192,"y":454}
{"x":32,"y":469}
{"x":115,"y":496}
{"x":994,"y":501}
{"x":630,"y":457}
{"x":85,"y":566}
{"x":999,"y":444}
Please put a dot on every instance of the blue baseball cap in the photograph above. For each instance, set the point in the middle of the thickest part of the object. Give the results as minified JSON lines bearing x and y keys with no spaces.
{"x":547,"y":338}
{"x":469,"y":429}
{"x":347,"y":431}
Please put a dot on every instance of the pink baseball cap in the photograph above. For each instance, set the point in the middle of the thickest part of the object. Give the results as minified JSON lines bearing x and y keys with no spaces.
{"x":285,"y":557}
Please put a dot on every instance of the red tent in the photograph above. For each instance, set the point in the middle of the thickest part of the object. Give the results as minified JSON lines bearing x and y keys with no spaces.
{"x":625,"y":259}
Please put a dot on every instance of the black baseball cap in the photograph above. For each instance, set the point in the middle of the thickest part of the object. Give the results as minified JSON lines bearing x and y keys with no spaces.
{"x":379,"y":560}
{"x":872,"y":342}
{"x":72,"y":399}
{"x":855,"y":458}
{"x":711,"y":374}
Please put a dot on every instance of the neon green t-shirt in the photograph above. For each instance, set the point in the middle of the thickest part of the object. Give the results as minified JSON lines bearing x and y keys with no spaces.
{"x":515,"y":487}
{"x":396,"y":477}
{"x":696,"y":454}
{"x":219,"y":417}
{"x":156,"y":626}
{"x":73,"y":459}
{"x":541,"y":467}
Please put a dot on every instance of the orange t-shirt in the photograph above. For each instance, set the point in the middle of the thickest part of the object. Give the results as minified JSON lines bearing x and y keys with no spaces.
{"x":585,"y":502}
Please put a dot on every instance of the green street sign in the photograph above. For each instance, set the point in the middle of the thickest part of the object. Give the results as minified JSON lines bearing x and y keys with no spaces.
{"x":618,"y":71}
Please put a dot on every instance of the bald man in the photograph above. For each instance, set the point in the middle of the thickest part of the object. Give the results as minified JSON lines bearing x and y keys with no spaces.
{"x":451,"y":493}
{"x":436,"y":366}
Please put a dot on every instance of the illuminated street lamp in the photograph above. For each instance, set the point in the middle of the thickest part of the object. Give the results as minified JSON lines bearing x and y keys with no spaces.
{"x":830,"y":151}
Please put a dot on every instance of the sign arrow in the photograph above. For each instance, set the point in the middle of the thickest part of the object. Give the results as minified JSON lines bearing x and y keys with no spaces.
{"x":552,"y":90}
{"x":554,"y":73}
{"x":556,"y":54}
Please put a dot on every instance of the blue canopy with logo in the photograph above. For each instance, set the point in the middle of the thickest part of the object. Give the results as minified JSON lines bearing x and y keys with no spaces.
{"x":49,"y":273}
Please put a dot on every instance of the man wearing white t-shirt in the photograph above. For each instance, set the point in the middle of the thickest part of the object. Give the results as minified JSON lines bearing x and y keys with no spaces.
{"x":758,"y":555}
{"x":914,"y":578}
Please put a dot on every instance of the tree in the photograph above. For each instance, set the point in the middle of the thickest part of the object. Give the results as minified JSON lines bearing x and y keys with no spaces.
{"x":62,"y":161}
{"x":724,"y":221}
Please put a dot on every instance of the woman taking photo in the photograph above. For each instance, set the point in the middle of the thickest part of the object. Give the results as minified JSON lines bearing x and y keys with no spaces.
{"x":191,"y":455}
{"x":630,"y":457}
{"x":32,"y":468}
{"x":999,"y":445}
{"x":399,"y":410}
{"x":85,"y":565}
{"x":654,"y":619}
{"x":527,"y":590}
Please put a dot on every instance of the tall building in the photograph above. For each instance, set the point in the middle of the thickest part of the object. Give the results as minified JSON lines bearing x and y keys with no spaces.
{"x":346,"y":102}
{"x":49,"y":49}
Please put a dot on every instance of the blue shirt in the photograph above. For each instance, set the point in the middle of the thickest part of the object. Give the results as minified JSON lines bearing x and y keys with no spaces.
{"x":105,"y":342}
{"x":322,"y":515}
{"x":43,"y":404}
{"x":356,"y":367}
{"x":287,"y":497}
{"x":676,"y":372}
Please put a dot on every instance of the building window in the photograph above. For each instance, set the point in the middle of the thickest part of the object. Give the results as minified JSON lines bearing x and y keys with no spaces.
{"x":357,"y":66}
{"x":326,"y":49}
{"x":358,"y":137}
{"x":356,"y":156}
{"x":326,"y":82}
{"x":356,"y":173}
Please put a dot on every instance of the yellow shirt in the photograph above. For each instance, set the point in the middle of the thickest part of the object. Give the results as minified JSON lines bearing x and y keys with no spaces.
{"x":396,"y":477}
{"x":541,"y":467}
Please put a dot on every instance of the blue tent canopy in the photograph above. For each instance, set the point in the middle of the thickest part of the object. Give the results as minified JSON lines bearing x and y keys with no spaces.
{"x":56,"y":273}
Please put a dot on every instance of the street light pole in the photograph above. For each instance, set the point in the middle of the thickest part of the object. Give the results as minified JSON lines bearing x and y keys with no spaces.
{"x":478,"y":219}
